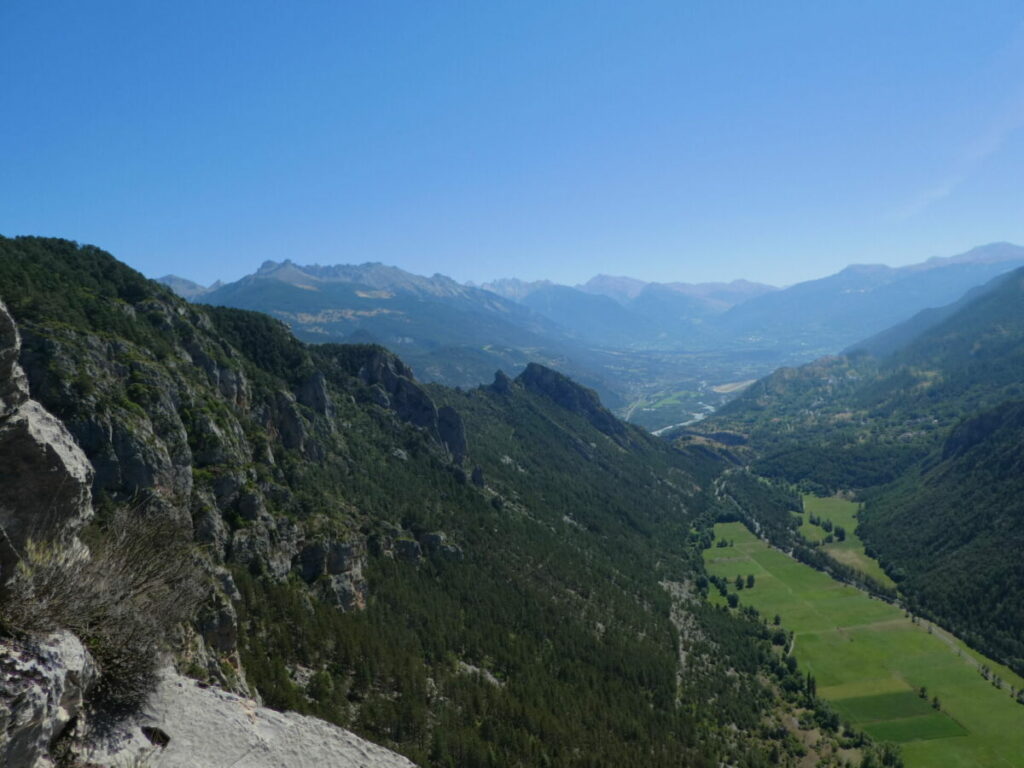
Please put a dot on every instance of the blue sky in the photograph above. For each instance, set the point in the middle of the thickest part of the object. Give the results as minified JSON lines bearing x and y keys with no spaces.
{"x":776,"y":141}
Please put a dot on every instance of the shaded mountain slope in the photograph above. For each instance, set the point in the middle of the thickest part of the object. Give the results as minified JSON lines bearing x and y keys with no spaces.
{"x":951,"y":531}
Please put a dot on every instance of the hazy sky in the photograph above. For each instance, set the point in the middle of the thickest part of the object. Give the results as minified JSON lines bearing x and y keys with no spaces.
{"x":668,"y":140}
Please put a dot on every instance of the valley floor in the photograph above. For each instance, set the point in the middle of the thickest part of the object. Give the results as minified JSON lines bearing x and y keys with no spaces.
{"x":871,"y":661}
{"x":850,"y":551}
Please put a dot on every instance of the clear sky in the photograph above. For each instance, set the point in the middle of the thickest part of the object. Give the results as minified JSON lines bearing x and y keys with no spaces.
{"x":675,"y":140}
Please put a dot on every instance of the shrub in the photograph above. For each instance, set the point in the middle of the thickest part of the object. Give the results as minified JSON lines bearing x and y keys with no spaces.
{"x":123,"y":599}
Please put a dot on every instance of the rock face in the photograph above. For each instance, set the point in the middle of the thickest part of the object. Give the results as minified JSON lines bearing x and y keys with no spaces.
{"x":336,"y":567}
{"x":569,"y":395}
{"x":42,"y":688}
{"x":408,"y":399}
{"x":44,"y":476}
{"x":45,"y":495}
{"x":392,"y":385}
{"x":189,"y":726}
{"x":452,"y":432}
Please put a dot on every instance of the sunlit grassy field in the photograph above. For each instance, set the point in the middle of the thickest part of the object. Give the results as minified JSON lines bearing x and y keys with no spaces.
{"x":849,"y":552}
{"x":870,"y":661}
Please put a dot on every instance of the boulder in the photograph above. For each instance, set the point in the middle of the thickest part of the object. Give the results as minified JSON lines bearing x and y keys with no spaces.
{"x":42,"y":691}
{"x":408,"y":549}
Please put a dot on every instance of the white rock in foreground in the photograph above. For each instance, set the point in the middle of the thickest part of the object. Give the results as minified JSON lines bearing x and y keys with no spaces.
{"x":210,"y":728}
{"x":42,"y":687}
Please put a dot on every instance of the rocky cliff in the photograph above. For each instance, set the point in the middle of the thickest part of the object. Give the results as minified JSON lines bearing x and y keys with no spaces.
{"x":45,"y":680}
{"x":44,"y":476}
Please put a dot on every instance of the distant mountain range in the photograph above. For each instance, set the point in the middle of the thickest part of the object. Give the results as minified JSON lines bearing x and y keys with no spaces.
{"x":449,"y":332}
{"x":638,"y":343}
{"x":824,"y":316}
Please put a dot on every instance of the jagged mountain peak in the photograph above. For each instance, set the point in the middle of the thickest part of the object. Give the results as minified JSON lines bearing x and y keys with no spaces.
{"x":373,"y":275}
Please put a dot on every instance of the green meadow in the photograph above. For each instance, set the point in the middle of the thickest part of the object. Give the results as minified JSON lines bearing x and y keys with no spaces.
{"x":870,"y":661}
{"x":849,"y":552}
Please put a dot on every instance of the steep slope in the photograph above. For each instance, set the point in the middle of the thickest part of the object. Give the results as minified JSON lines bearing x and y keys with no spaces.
{"x":397,"y":307}
{"x":55,"y":685}
{"x":653,"y":351}
{"x":951,"y":531}
{"x":469,"y":577}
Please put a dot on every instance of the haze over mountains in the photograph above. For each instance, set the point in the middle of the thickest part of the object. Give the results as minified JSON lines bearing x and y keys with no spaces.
{"x":655,"y":351}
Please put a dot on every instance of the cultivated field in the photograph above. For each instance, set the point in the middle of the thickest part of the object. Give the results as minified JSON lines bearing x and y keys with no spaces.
{"x":849,"y":552}
{"x":871,"y":661}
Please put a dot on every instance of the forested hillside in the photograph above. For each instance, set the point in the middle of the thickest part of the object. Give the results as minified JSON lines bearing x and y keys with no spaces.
{"x":951,"y":531}
{"x":495,"y":577}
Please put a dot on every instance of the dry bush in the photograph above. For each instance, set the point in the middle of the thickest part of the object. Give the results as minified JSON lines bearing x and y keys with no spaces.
{"x":123,"y":599}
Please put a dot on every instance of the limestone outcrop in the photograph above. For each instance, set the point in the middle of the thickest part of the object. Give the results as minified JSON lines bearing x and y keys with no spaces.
{"x":42,"y":690}
{"x":187,"y":725}
{"x":574,"y":397}
{"x":46,"y":485}
{"x":44,"y":476}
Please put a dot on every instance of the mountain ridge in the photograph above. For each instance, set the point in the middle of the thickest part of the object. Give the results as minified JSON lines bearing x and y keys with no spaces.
{"x":655,"y":353}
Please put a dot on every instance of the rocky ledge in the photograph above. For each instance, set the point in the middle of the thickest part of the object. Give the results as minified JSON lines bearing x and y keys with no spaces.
{"x":186,"y":725}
